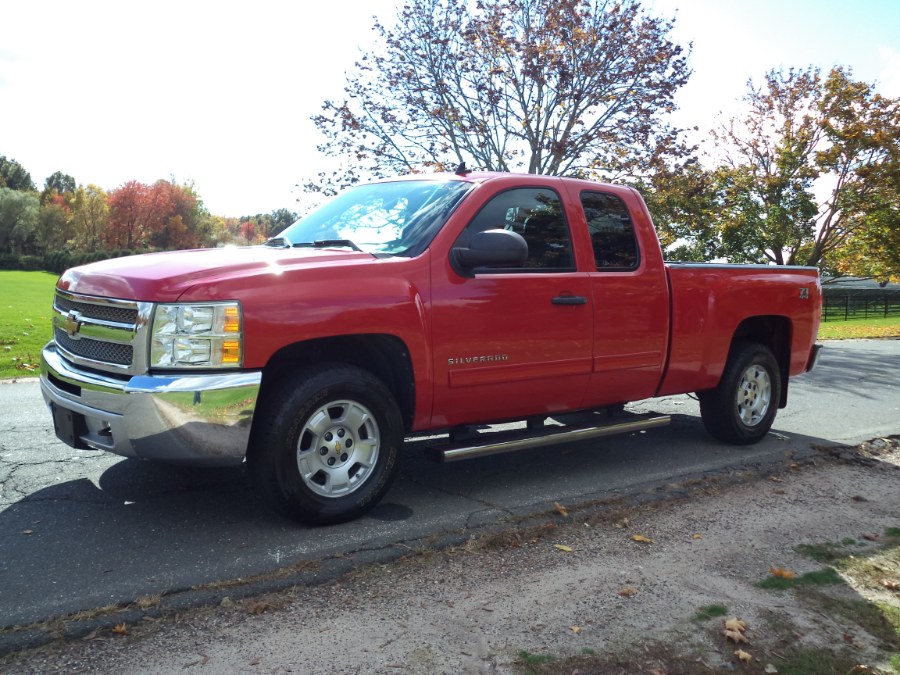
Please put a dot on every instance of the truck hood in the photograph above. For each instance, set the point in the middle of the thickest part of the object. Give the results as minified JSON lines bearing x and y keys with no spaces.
{"x":164,"y":277}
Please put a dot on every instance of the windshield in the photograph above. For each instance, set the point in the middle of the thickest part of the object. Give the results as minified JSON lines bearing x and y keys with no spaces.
{"x":397,"y":218}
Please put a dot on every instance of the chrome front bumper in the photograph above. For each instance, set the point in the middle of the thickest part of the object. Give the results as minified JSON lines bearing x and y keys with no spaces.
{"x":197,"y":419}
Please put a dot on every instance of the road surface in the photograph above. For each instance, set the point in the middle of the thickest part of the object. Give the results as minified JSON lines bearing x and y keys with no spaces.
{"x":84,"y":529}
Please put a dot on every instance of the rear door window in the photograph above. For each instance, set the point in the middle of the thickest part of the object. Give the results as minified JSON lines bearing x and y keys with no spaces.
{"x":612,"y":232}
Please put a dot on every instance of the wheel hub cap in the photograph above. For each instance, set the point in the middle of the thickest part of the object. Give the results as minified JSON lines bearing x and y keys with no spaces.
{"x":338,"y":448}
{"x":754,"y":395}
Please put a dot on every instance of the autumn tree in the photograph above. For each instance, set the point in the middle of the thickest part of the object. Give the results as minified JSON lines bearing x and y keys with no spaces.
{"x":90,"y":218}
{"x":172,"y":216}
{"x":250,"y":231}
{"x":566,"y":87}
{"x":127,"y":216}
{"x":164,"y":215}
{"x":810,"y":175}
{"x":859,"y":224}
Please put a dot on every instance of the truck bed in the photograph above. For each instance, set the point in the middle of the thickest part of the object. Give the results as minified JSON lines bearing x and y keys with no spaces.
{"x":709,"y":301}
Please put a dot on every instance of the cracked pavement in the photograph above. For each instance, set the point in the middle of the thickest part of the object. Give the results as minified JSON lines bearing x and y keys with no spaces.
{"x":85,"y":529}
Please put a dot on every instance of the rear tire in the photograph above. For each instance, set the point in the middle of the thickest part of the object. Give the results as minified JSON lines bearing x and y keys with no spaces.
{"x":326,"y":444}
{"x":742,"y":408}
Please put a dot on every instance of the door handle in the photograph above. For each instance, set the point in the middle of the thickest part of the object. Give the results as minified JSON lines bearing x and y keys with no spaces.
{"x":569,"y":300}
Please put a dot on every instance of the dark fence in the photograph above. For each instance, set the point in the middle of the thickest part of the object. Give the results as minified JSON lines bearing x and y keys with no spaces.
{"x":842,"y":304}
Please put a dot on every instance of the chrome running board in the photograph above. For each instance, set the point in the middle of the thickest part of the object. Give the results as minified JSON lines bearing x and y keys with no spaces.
{"x":525,"y":439}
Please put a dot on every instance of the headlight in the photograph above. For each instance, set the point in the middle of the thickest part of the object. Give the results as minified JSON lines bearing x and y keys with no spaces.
{"x":197,"y":336}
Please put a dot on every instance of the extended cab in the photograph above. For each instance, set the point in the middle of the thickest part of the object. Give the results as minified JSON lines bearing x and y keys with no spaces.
{"x":433,"y":302}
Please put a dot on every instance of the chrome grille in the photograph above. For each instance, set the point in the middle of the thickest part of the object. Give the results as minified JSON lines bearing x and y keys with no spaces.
{"x":103,"y":312}
{"x":102,"y":333}
{"x":95,"y":350}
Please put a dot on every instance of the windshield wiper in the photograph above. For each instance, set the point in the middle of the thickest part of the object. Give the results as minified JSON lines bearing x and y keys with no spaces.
{"x":328,"y":243}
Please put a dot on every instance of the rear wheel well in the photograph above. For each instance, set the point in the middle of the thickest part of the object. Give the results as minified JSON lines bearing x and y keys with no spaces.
{"x":385,"y":356}
{"x":775,"y":333}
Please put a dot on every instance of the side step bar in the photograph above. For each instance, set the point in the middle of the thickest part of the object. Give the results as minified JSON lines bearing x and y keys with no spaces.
{"x":524,"y":439}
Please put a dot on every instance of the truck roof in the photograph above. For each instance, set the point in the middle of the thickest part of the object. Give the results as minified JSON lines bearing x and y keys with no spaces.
{"x":519,"y":178}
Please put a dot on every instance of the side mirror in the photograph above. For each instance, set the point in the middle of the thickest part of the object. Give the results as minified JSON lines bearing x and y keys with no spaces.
{"x":491,"y":248}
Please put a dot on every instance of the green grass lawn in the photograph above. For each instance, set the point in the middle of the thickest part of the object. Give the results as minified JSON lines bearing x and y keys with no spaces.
{"x":860,"y":328}
{"x":26,"y":299}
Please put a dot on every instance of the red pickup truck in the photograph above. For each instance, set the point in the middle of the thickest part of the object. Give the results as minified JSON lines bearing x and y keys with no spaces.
{"x":435,"y":302}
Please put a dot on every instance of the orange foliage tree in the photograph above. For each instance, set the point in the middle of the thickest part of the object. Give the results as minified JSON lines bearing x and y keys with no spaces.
{"x":164,"y":215}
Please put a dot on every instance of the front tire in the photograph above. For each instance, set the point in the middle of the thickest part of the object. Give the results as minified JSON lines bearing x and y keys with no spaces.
{"x":742,"y":408}
{"x":326,"y":444}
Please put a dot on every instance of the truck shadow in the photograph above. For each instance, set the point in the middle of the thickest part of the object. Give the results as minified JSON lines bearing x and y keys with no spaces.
{"x":145,"y":529}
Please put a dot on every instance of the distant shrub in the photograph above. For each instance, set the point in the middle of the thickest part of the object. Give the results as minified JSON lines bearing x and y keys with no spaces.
{"x":59,"y":261}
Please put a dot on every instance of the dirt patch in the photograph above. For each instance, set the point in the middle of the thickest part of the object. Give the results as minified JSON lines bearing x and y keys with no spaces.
{"x":808,"y":560}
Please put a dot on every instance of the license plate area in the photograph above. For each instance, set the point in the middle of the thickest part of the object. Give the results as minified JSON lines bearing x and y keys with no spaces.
{"x":69,"y":426}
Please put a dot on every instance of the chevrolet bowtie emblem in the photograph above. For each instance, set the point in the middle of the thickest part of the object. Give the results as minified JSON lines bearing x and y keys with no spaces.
{"x":73,"y":324}
{"x":337,"y":446}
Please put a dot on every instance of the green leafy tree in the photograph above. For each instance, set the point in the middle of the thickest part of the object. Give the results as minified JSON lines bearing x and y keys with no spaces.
{"x":58,"y":184}
{"x":685,"y":205}
{"x":265,"y":225}
{"x":53,"y":228}
{"x":566,"y":87}
{"x":278,"y":220}
{"x":766,"y":183}
{"x":18,"y":220}
{"x":14,"y":176}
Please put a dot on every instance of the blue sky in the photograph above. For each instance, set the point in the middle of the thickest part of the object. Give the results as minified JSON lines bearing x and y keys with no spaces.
{"x":220,"y":93}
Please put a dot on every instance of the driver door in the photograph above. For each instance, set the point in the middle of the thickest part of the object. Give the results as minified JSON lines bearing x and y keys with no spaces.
{"x":511,"y":343}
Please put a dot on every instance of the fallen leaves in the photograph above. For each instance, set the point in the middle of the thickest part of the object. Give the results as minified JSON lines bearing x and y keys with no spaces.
{"x":257,"y":607}
{"x":735,"y":624}
{"x":735,"y":636}
{"x":627,"y":592}
{"x":734,"y":631}
{"x":561,"y":510}
{"x":781,"y":572}
{"x":120,"y":629}
{"x":641,"y":539}
{"x":743,"y":656}
{"x":891,"y":584}
{"x":563,"y":548}
{"x":575,"y":629}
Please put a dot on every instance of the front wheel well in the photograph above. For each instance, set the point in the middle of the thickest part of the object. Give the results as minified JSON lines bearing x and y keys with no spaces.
{"x":774,"y":332}
{"x":385,"y":356}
